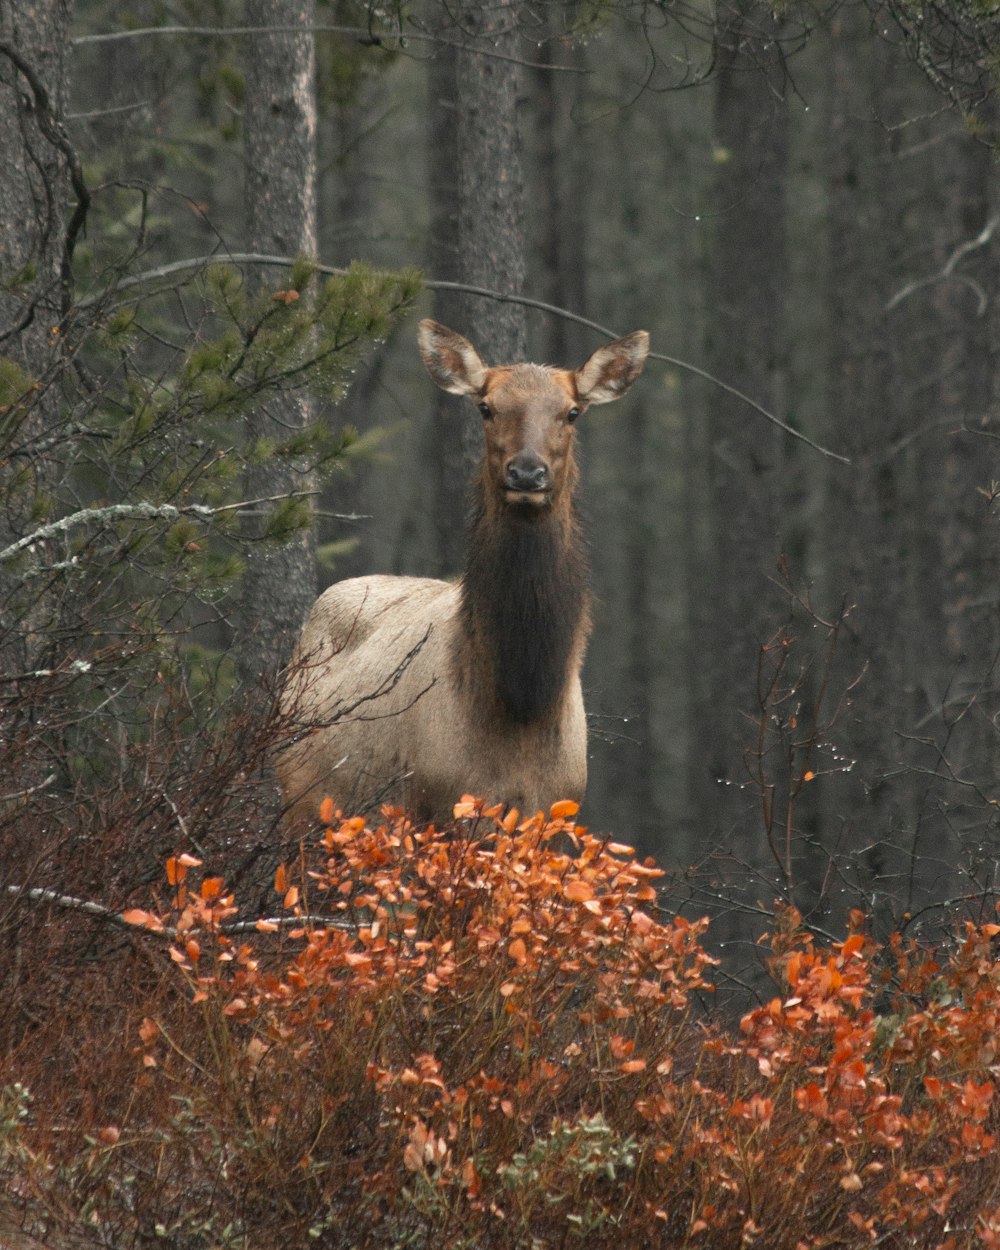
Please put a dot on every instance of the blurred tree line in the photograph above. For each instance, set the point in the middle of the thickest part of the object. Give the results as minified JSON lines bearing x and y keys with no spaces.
{"x":792,"y":680}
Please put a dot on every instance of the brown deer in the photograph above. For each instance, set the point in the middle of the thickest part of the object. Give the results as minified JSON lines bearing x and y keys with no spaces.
{"x":416,"y":691}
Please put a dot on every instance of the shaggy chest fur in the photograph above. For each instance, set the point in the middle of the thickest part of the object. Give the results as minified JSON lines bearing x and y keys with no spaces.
{"x":524,"y":612}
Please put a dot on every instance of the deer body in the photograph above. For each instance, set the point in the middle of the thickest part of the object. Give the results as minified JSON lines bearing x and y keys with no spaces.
{"x":414,"y":690}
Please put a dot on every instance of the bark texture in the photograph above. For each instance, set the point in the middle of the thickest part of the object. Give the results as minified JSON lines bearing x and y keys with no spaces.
{"x":491,"y":240}
{"x":747,"y":287}
{"x":280,"y":138}
{"x":449,"y":438}
{"x":34,"y":186}
{"x":477,"y":234}
{"x":34,"y":261}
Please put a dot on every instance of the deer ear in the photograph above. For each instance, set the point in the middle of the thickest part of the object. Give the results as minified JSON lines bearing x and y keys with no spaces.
{"x":451,"y":361}
{"x":612,"y":369}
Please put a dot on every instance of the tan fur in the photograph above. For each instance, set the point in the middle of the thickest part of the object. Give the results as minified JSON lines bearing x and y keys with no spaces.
{"x":393,"y":694}
{"x":412,"y":738}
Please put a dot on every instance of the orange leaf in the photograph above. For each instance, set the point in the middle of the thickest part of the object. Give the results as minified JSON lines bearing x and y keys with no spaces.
{"x":976,"y":1098}
{"x":517,"y":951}
{"x":811,"y":1099}
{"x":211,"y":888}
{"x":143,"y":919}
{"x":509,"y":822}
{"x":292,"y":896}
{"x":280,"y":879}
{"x":578,"y":891}
{"x":326,"y":812}
{"x":621,"y":1046}
{"x":470,"y":1179}
{"x":853,"y":944}
{"x":564,"y":809}
{"x":933,"y":1087}
{"x":177,"y":866}
{"x":633,"y":1065}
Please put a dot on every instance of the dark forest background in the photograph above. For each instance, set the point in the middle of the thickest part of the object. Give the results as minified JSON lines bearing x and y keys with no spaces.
{"x":792,"y":681}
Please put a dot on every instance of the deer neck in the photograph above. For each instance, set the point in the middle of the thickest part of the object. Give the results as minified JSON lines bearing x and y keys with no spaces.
{"x":524,"y":614}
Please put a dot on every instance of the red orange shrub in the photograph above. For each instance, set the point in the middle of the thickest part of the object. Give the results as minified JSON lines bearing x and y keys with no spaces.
{"x":490,"y":1037}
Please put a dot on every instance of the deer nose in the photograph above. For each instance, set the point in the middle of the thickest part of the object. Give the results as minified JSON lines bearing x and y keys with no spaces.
{"x":527,"y":473}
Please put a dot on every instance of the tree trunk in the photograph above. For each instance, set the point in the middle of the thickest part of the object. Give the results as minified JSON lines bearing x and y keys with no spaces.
{"x":746,"y":293}
{"x":491,"y":242}
{"x":559,"y":194}
{"x":34,"y":186}
{"x":446,"y":426}
{"x":477,"y":231}
{"x":280,"y":159}
{"x":864,"y":540}
{"x":34,"y":194}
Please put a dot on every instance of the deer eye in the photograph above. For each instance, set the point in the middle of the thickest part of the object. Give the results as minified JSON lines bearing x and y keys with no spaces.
{"x":572,"y":415}
{"x":484,"y":408}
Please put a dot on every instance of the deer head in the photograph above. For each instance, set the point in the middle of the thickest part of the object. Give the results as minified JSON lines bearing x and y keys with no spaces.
{"x":529,"y":410}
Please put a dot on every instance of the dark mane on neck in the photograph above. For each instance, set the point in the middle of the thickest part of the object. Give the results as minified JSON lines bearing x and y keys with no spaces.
{"x":525,"y":604}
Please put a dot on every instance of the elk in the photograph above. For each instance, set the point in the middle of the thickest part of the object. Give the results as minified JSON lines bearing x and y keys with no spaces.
{"x":415,"y":691}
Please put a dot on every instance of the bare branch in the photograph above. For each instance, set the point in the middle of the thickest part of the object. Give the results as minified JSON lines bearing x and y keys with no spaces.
{"x":23,"y":794}
{"x":141,"y":511}
{"x":37,"y":894}
{"x":367,"y":38}
{"x":948,"y":270}
{"x":432,"y":284}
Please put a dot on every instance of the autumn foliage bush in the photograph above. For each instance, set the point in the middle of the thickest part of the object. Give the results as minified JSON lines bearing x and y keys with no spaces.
{"x":490,"y":1036}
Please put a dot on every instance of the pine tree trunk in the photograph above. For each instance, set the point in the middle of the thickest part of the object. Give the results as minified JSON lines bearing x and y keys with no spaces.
{"x":491,"y":241}
{"x":34,"y":186}
{"x":746,"y":295}
{"x":864,"y":537}
{"x":34,"y":210}
{"x":280,"y":160}
{"x":446,"y":426}
{"x":476,"y":156}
